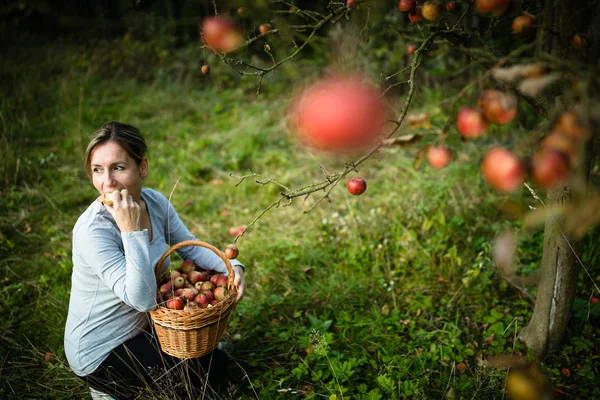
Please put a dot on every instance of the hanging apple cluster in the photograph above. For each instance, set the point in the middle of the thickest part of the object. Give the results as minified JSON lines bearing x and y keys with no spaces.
{"x":551,"y":163}
{"x":190,"y":287}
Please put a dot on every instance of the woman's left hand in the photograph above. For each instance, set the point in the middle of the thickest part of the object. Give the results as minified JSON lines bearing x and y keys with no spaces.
{"x":239,"y":281}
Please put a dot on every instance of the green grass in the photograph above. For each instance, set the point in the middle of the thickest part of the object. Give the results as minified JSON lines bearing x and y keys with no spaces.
{"x":371,"y":297}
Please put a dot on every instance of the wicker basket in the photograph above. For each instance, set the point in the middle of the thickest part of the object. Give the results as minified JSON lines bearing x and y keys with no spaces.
{"x":193,"y":333}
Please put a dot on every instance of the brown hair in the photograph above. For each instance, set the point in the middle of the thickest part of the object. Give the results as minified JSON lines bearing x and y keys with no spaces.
{"x":128,"y":136}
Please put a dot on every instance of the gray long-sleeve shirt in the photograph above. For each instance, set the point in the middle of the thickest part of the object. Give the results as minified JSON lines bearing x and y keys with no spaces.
{"x":113,"y":282}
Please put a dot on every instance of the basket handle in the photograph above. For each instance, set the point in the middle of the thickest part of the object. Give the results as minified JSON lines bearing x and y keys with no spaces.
{"x":230,"y":275}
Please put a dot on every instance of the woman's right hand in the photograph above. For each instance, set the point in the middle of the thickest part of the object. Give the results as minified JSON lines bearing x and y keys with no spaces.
{"x":125,"y":211}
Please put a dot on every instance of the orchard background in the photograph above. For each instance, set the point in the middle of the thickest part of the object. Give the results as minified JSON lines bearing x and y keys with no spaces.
{"x":418,"y":288}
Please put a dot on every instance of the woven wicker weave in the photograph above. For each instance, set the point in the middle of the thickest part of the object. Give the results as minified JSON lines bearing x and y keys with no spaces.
{"x":193,"y":333}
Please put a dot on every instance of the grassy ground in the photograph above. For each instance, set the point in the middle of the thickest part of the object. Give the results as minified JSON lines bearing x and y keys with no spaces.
{"x":380,"y":296}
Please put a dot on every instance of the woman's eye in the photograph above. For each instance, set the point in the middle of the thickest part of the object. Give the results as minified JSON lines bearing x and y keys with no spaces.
{"x":119,"y":168}
{"x":96,"y":170}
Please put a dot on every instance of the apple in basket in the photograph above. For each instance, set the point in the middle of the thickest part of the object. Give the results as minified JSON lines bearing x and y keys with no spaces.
{"x":175,"y":303}
{"x":188,"y":266}
{"x":202,"y":300}
{"x":179,"y":282}
{"x":207,"y":286}
{"x":220,"y":293}
{"x":195,"y":276}
{"x":209,"y":294}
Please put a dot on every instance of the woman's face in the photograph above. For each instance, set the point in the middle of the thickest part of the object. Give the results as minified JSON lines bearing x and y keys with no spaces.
{"x":113,"y":169}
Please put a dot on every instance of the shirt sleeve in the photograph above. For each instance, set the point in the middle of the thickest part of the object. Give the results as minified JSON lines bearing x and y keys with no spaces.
{"x":122,"y":262}
{"x":201,"y":256}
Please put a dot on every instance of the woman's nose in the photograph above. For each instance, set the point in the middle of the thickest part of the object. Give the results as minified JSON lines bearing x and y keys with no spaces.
{"x":109,"y":179}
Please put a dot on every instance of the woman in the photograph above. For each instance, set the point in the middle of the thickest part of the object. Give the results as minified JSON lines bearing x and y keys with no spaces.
{"x":108,"y":340}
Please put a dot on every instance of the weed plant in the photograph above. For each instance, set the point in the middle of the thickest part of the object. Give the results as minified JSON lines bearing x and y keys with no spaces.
{"x":389,"y":295}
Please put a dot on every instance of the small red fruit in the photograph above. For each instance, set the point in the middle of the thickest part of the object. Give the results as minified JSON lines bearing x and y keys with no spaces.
{"x":231,"y":252}
{"x":570,"y":125}
{"x":471,"y":122}
{"x":264,"y":28}
{"x":209,"y":295}
{"x":241,"y":11}
{"x":356,"y":186}
{"x":524,"y":25}
{"x":498,"y":107}
{"x":221,"y":34}
{"x":561,"y":142}
{"x":430,"y":11}
{"x":550,"y":168}
{"x":195,"y":276}
{"x":503,"y":170}
{"x":166,"y":288}
{"x":411,"y":49}
{"x":205,"y":69}
{"x":451,"y":6}
{"x":202,"y":300}
{"x":406,"y":6}
{"x":176,"y":303}
{"x":416,"y":15}
{"x":221,"y":281}
{"x":236,"y":231}
{"x":594,"y":300}
{"x":188,"y":293}
{"x":439,"y":156}
{"x":187,"y":266}
{"x":206,"y":285}
{"x":493,"y":7}
{"x":351,"y":3}
{"x":581,"y":41}
{"x":173,"y":274}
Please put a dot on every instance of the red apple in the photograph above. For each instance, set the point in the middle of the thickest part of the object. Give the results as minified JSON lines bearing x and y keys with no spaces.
{"x":191,"y":305}
{"x":176,"y":303}
{"x":351,"y":3}
{"x":524,"y":25}
{"x":220,"y":293}
{"x":340,"y":113}
{"x":451,"y":6}
{"x":205,"y":69}
{"x":411,"y":49}
{"x":550,"y":168}
{"x":594,"y":300}
{"x":206,"y":285}
{"x":241,"y":11}
{"x":430,"y":11}
{"x":231,"y":252}
{"x":356,"y":186}
{"x":221,"y":34}
{"x":179,"y":282}
{"x":209,"y":295}
{"x":264,"y":28}
{"x":407,"y":5}
{"x":213,"y":303}
{"x":498,"y":107}
{"x":166,"y":288}
{"x":416,"y":15}
{"x":471,"y":122}
{"x":195,"y":276}
{"x":188,"y":266}
{"x":236,"y":231}
{"x":493,"y":7}
{"x":213,"y":279}
{"x":439,"y":156}
{"x":221,"y":281}
{"x":188,"y":293}
{"x":172,"y":274}
{"x":581,"y":41}
{"x":201,"y":300}
{"x":503,"y":170}
{"x":569,"y":124}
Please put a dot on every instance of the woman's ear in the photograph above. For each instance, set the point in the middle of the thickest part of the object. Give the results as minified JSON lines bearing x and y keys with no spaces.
{"x":144,"y":168}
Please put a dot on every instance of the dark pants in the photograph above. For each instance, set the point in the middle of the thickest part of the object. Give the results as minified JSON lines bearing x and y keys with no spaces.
{"x":138,"y":366}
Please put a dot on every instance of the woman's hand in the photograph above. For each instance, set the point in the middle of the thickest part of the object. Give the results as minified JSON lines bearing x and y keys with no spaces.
{"x":239,"y":281}
{"x":125,"y":211}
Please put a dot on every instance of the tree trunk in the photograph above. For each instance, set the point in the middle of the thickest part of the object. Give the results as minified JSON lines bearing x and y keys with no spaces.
{"x":556,"y":290}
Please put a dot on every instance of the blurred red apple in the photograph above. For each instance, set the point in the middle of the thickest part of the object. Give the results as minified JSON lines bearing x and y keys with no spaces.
{"x":205,"y":69}
{"x":339,"y":113}
{"x":264,"y":28}
{"x":176,"y":303}
{"x":351,"y":3}
{"x":451,"y":6}
{"x":179,"y":282}
{"x":416,"y":15}
{"x":195,"y":276}
{"x":407,"y":5}
{"x":569,"y":124}
{"x":202,"y":300}
{"x":471,"y":122}
{"x":188,"y":294}
{"x":439,"y":156}
{"x":209,"y":295}
{"x":236,"y":231}
{"x":187,"y":266}
{"x":221,"y":34}
{"x":411,"y":49}
{"x":561,"y":142}
{"x":221,"y":281}
{"x":594,"y":300}
{"x":498,"y":107}
{"x":524,"y":25}
{"x":503,"y":170}
{"x":550,"y":168}
{"x":356,"y":186}
{"x":166,"y":288}
{"x":493,"y":7}
{"x":206,"y":285}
